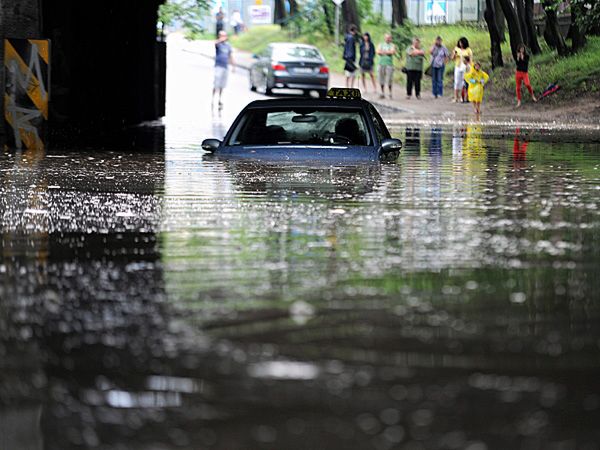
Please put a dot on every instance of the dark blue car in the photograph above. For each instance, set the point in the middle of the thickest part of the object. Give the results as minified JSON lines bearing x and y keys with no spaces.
{"x":340,"y":129}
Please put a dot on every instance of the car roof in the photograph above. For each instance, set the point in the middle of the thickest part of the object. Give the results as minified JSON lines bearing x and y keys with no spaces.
{"x":292,"y":44}
{"x":300,"y":102}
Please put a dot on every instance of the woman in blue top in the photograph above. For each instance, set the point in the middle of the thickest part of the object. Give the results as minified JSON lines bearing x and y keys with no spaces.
{"x":366,"y":61}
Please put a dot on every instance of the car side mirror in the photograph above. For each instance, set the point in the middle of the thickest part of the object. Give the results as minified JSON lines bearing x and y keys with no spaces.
{"x":391,"y":145}
{"x":210,"y":145}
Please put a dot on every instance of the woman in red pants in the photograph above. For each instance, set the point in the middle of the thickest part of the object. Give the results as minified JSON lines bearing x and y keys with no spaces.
{"x":522,"y":76}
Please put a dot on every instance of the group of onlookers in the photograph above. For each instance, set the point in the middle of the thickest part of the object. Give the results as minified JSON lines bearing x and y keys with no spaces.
{"x":366,"y":61}
{"x":469,"y":78}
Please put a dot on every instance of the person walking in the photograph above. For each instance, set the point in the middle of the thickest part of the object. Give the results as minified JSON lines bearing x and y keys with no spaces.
{"x":386,"y":51}
{"x":236,"y":21}
{"x":349,"y":55}
{"x":522,"y":74}
{"x":223,"y":58}
{"x":366,"y":61}
{"x":439,"y":58}
{"x":414,"y":67}
{"x":220,"y":21}
{"x":461,"y":50}
{"x":476,"y":78}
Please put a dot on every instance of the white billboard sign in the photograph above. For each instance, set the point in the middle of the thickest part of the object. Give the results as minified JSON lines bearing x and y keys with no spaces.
{"x":260,"y":14}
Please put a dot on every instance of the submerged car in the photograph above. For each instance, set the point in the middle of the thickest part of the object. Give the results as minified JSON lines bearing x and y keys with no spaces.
{"x":290,"y":66}
{"x":341,"y":128}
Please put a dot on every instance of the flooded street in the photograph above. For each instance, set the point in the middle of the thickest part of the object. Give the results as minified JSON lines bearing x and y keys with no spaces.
{"x":166,"y":299}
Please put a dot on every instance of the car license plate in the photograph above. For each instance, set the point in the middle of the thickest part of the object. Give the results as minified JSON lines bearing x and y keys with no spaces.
{"x":303,"y":70}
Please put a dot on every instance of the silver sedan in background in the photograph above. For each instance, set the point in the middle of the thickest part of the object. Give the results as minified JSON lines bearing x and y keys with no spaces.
{"x":285,"y":65}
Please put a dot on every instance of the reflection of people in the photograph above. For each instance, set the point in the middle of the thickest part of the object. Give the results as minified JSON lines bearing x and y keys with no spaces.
{"x":473,"y":147}
{"x":220,"y":19}
{"x":349,"y":55}
{"x":366,"y":61}
{"x":520,"y":146}
{"x":414,"y":66}
{"x":435,"y":142}
{"x":236,"y":21}
{"x":223,"y":57}
{"x":476,"y":79}
{"x":412,"y":140}
{"x":386,"y":51}
{"x":522,"y":75}
{"x":457,"y":142}
{"x":439,"y":57}
{"x":461,"y":50}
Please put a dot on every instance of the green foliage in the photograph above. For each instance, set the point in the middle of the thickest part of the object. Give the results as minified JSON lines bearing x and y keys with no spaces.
{"x":187,"y":13}
{"x":403,"y":35}
{"x":588,"y":17}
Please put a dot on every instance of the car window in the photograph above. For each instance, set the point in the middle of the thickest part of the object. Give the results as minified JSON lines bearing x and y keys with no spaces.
{"x":302,"y":126}
{"x":380,"y":128}
{"x":296,"y":52}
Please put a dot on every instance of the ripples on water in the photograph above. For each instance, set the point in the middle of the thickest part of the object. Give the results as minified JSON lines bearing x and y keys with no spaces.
{"x":447,"y":301}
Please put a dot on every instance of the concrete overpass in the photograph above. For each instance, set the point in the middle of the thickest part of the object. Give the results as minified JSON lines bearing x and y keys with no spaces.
{"x":107,"y":67}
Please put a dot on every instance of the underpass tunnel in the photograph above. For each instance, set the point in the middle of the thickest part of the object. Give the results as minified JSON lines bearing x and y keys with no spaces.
{"x":108,"y":66}
{"x":107,"y":63}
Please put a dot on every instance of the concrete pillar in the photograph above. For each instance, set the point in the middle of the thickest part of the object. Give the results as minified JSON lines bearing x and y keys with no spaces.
{"x":18,"y":19}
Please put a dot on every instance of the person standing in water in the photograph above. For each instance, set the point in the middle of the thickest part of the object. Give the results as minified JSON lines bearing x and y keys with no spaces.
{"x":476,"y":78}
{"x":223,"y":58}
{"x":522,"y":74}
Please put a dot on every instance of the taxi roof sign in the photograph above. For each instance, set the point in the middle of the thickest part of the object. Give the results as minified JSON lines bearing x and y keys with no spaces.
{"x":348,"y":93}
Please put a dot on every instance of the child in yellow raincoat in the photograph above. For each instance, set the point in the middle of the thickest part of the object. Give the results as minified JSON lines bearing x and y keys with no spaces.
{"x":476,"y":78}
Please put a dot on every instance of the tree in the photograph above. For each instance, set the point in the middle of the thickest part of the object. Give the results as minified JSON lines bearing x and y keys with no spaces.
{"x":514,"y":28}
{"x":495,"y":40}
{"x":500,"y":20}
{"x":532,"y":40}
{"x":576,"y":30}
{"x":553,"y":36}
{"x":279,"y":13}
{"x":350,"y":14}
{"x":187,"y":12}
{"x":399,"y":13}
{"x":326,"y":5}
{"x":587,"y":14}
{"x":293,"y":7}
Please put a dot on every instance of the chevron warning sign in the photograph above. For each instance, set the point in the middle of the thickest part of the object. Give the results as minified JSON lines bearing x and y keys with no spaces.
{"x":27,"y":75}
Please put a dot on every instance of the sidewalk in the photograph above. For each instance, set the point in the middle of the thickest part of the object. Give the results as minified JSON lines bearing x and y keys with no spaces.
{"x":427,"y":109}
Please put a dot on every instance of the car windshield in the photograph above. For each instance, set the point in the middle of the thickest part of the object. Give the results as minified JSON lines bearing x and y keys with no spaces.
{"x":282,"y":53}
{"x":304,"y":126}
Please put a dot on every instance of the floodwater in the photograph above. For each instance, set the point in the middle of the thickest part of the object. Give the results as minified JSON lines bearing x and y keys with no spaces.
{"x":170,"y":300}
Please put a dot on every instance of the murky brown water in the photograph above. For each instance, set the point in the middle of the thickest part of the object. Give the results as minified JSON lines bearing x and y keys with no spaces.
{"x":164,"y":301}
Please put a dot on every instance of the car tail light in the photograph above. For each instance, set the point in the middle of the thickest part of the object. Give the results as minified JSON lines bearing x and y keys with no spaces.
{"x":324,"y":69}
{"x":278,"y":67}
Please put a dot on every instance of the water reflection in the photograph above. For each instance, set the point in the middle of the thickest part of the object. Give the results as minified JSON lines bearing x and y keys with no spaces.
{"x":444,"y":301}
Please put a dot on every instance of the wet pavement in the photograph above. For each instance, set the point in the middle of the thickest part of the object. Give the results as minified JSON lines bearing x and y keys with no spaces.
{"x":166,"y":299}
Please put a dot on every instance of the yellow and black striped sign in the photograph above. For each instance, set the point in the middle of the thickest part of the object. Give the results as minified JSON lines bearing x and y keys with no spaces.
{"x":27,"y":92}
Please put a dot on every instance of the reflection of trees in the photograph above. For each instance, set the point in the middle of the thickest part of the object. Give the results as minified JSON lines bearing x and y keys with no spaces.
{"x":276,"y":231}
